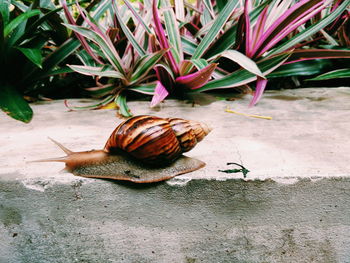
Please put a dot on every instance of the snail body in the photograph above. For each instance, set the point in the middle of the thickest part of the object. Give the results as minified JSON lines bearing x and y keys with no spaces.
{"x":142,"y":149}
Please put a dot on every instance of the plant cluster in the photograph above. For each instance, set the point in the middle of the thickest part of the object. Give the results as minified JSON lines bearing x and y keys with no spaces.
{"x":173,"y":48}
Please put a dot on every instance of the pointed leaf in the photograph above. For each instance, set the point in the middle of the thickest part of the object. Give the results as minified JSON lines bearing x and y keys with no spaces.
{"x":33,"y":54}
{"x":5,"y":11}
{"x":160,"y":93}
{"x":197,"y":79}
{"x":335,"y":74}
{"x":302,"y":68}
{"x":96,"y":71}
{"x":259,"y":90}
{"x":18,"y":20}
{"x":172,"y":27}
{"x":243,"y":61}
{"x":13,"y":104}
{"x":123,"y":108}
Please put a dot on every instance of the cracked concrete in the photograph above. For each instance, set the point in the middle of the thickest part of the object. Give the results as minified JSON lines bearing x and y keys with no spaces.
{"x":293,"y":206}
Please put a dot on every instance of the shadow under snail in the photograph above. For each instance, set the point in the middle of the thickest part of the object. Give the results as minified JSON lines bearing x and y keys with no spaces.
{"x":142,"y":149}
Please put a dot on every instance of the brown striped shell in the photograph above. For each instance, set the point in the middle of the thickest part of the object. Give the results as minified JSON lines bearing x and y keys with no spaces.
{"x":156,"y":140}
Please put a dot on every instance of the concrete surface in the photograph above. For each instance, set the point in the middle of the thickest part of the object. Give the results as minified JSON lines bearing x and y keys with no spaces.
{"x":293,"y":206}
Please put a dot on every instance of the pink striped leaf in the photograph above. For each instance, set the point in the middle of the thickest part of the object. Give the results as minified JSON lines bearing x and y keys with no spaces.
{"x":307,"y":54}
{"x":259,"y":90}
{"x":82,"y":40}
{"x":293,"y":25}
{"x":198,"y":79}
{"x":160,"y":93}
{"x":248,"y":34}
{"x":285,"y":21}
{"x":163,"y":41}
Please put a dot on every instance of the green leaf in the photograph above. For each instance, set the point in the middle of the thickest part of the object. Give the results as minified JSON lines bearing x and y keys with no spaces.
{"x":123,"y":108}
{"x":33,"y":54}
{"x":335,"y":74}
{"x":146,"y":65}
{"x":13,"y":104}
{"x":53,"y":59}
{"x":302,"y":68}
{"x":243,"y":76}
{"x":4,"y":11}
{"x":18,"y":20}
{"x":308,"y":32}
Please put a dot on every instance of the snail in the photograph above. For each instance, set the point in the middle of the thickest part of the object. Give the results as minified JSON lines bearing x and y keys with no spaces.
{"x":142,"y":149}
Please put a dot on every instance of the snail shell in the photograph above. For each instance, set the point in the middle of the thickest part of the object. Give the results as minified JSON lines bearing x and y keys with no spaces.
{"x":156,"y":140}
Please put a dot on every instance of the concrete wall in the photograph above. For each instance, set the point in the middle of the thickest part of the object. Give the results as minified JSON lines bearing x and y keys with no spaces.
{"x":202,"y":221}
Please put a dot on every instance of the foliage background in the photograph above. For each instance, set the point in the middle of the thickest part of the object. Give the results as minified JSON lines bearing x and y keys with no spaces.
{"x":135,"y":49}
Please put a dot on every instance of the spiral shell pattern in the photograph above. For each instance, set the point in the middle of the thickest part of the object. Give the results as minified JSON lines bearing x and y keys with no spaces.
{"x":156,"y":140}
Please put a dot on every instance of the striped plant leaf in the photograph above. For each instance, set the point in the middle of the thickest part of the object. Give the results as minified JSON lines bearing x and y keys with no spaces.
{"x":147,"y":64}
{"x":123,"y":108}
{"x":82,"y":40}
{"x":335,"y":74}
{"x":172,"y":28}
{"x":96,"y":71}
{"x":259,"y":90}
{"x":147,"y":89}
{"x":106,"y":46}
{"x":179,"y":10}
{"x":128,"y":33}
{"x":243,"y":76}
{"x":215,"y":29}
{"x":302,"y":68}
{"x":228,"y":38}
{"x":97,"y":105}
{"x":311,"y":30}
{"x":138,"y":17}
{"x":197,"y":79}
{"x":160,"y":93}
{"x":294,"y":17}
{"x":188,"y":45}
{"x":243,"y":61}
{"x":307,"y":54}
{"x":163,"y":41}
